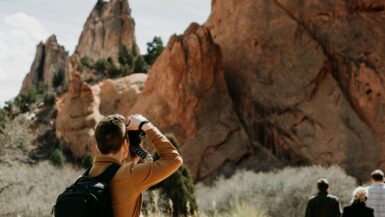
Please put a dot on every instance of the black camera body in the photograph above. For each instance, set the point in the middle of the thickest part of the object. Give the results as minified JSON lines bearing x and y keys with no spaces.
{"x":134,"y":138}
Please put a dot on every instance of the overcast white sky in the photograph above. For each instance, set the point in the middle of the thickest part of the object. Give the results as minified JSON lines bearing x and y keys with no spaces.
{"x":24,"y":23}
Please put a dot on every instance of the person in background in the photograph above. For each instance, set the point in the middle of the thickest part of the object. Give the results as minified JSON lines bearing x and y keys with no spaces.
{"x":323,"y":204}
{"x":358,"y":207}
{"x":376,"y":194}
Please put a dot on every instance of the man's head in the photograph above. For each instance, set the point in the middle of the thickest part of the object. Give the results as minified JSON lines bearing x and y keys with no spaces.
{"x":110,"y":134}
{"x":322,"y":185}
{"x":377,"y":176}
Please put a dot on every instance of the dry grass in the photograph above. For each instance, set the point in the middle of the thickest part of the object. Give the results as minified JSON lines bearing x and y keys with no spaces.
{"x":281,"y":193}
{"x":32,"y":190}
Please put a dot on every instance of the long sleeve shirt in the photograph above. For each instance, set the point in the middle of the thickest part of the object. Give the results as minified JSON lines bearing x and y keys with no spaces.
{"x":376,"y":199}
{"x":323,"y":205}
{"x":131,"y":179}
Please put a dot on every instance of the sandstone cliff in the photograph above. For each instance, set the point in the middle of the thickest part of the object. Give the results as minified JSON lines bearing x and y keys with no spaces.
{"x":261,"y":84}
{"x":307,"y":77}
{"x":50,"y":57}
{"x":109,"y":26}
{"x":186,"y":94}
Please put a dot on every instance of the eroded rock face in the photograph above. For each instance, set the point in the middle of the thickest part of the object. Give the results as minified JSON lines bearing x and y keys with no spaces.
{"x":307,"y":77}
{"x":78,"y":113}
{"x":186,"y":94}
{"x":50,"y":57}
{"x":83,"y":106}
{"x":109,"y":26}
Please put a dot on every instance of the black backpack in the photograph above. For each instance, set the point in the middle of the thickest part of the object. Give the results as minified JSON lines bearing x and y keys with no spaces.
{"x":88,"y":196}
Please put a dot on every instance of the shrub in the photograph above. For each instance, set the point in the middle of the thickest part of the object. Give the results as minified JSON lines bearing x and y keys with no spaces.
{"x":49,"y":99}
{"x":24,"y":102}
{"x":57,"y":157}
{"x":87,"y":160}
{"x":87,"y":62}
{"x":99,"y":5}
{"x":15,"y":139}
{"x":140,"y":65}
{"x":3,"y":119}
{"x":154,"y":49}
{"x":31,"y":190}
{"x":58,"y":78}
{"x":281,"y":193}
{"x":179,"y":188}
{"x":125,"y":58}
{"x":244,"y":210}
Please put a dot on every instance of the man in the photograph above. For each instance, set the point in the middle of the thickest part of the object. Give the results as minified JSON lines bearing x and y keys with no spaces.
{"x":131,"y":179}
{"x":323,"y":204}
{"x":376,"y":194}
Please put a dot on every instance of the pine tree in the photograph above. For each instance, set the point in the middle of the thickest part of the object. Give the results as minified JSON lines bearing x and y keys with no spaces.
{"x":179,"y":188}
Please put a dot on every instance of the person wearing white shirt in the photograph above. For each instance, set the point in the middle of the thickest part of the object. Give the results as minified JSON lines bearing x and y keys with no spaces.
{"x":376,"y":194}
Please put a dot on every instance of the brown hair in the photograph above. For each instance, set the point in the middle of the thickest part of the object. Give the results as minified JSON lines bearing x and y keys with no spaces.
{"x":110,"y":133}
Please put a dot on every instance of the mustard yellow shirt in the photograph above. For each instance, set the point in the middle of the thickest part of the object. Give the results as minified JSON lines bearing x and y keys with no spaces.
{"x":132,"y":179}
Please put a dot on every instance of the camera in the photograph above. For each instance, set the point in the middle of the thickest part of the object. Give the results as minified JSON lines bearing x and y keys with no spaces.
{"x":134,"y":138}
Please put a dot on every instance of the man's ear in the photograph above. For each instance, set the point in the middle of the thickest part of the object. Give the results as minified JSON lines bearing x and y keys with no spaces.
{"x":125,"y":146}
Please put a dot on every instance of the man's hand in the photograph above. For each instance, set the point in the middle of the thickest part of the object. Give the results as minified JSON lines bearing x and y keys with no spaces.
{"x":134,"y":121}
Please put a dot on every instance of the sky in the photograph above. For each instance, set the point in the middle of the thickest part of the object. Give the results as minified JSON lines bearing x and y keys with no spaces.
{"x":24,"y":23}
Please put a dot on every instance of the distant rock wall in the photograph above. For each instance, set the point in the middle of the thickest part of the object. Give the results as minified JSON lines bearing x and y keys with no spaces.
{"x":108,"y":26}
{"x":50,"y":57}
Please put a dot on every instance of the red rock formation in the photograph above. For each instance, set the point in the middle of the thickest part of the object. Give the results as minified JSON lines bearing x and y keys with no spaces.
{"x":262,"y":83}
{"x":108,"y":26}
{"x":186,"y":94}
{"x":307,"y":77}
{"x":83,"y":106}
{"x":50,"y":57}
{"x":78,"y":113}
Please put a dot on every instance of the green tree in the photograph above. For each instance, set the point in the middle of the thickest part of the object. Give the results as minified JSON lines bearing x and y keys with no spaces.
{"x":179,"y":188}
{"x":87,"y":62}
{"x":99,"y":5}
{"x":49,"y":99}
{"x":57,"y":157}
{"x":154,"y":49}
{"x":58,"y":78}
{"x":140,"y":64}
{"x":125,"y":57}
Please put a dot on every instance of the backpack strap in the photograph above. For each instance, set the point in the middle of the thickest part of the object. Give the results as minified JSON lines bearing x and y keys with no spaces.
{"x":107,"y":175}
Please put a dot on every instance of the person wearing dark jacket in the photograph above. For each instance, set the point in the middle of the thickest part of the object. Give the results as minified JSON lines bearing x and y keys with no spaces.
{"x":323,"y":204}
{"x":358,"y":207}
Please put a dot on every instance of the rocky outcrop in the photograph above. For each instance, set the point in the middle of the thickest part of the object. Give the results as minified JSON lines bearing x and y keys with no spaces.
{"x":186,"y":94}
{"x":50,"y":57}
{"x":109,"y":26}
{"x":307,"y":77}
{"x":78,"y":113}
{"x":83,"y":106}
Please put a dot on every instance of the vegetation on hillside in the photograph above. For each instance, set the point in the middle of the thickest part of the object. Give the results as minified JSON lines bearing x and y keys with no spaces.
{"x":128,"y":62}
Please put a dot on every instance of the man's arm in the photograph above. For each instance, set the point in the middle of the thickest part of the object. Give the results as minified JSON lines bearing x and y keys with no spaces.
{"x":145,"y":175}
